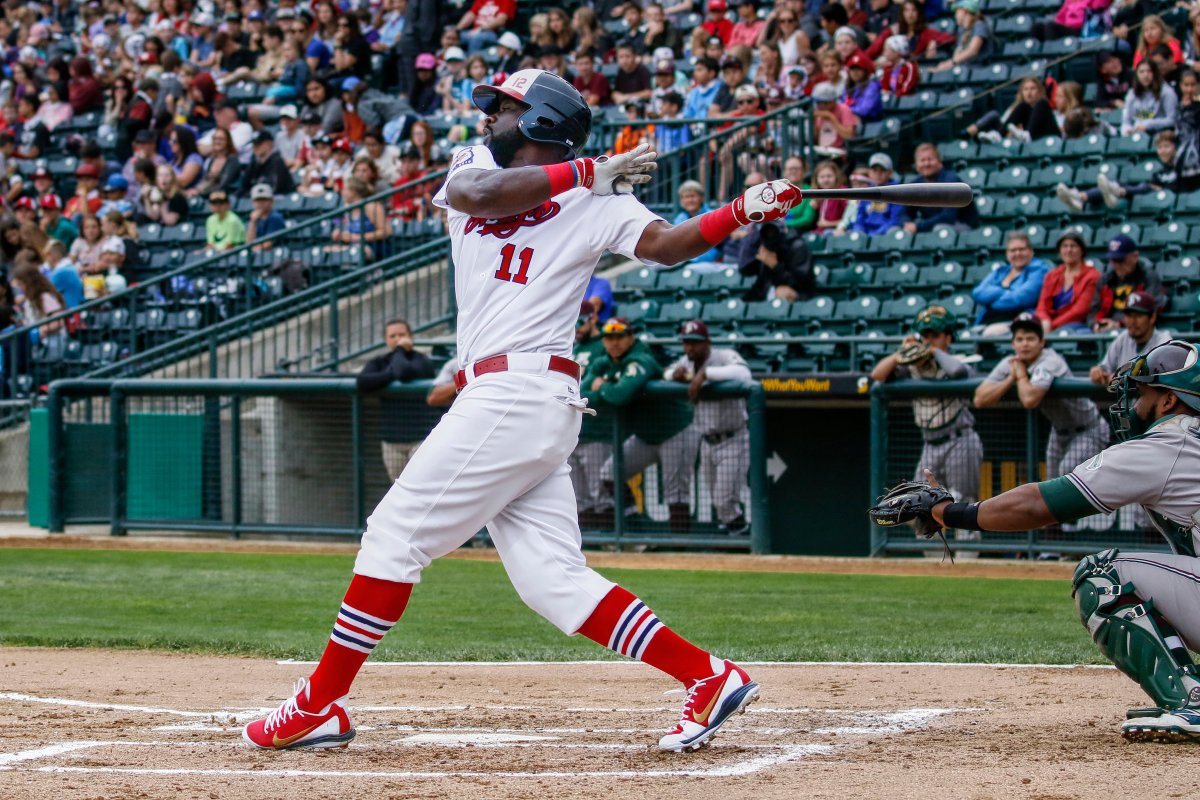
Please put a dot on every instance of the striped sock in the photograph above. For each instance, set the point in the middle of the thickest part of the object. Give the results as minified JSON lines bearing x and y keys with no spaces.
{"x":625,"y":624}
{"x":370,"y":609}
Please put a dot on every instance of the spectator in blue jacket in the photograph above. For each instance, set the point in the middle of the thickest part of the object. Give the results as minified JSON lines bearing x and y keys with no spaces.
{"x":691,"y":204}
{"x":863,"y":94}
{"x":930,"y":170}
{"x":702,"y":95}
{"x":879,"y":217}
{"x":1006,"y":293}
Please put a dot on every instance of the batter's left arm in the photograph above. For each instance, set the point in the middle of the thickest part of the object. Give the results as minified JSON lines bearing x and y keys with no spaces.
{"x":667,"y":244}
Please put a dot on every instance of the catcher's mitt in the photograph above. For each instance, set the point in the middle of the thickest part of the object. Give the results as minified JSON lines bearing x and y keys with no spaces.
{"x":913,"y":353}
{"x":912,"y":502}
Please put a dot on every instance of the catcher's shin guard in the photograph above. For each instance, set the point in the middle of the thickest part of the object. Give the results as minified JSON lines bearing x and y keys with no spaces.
{"x":1131,"y":635}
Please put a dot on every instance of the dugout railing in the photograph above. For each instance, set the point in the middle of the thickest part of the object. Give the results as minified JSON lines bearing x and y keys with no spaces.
{"x":1014,"y":446}
{"x":302,"y":457}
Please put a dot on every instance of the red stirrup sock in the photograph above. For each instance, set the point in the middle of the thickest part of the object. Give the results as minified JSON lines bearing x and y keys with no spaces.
{"x":625,"y":624}
{"x":370,"y":609}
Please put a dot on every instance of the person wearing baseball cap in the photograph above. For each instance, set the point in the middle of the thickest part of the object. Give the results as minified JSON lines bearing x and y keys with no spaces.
{"x":267,"y":166}
{"x":115,"y":196}
{"x":733,"y":76}
{"x":720,"y":421}
{"x":661,"y":425}
{"x":25,"y":209}
{"x":1127,"y":272}
{"x":87,"y":191}
{"x":54,"y":223}
{"x":264,"y":219}
{"x":717,"y":23}
{"x":833,"y":120}
{"x":877,"y":217}
{"x":508,"y":50}
{"x":951,"y":447}
{"x":1139,"y":336}
{"x":223,"y":229}
{"x":864,"y":97}
{"x":900,"y":74}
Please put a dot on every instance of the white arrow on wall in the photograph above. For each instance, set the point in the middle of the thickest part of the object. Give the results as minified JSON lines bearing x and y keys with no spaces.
{"x":775,"y":467}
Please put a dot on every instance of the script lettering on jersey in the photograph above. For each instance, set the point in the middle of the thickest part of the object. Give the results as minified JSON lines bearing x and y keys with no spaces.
{"x":506,"y":227}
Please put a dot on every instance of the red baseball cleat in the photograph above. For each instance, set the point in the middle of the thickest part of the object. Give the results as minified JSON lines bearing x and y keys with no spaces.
{"x":710,"y":702}
{"x":290,"y":728}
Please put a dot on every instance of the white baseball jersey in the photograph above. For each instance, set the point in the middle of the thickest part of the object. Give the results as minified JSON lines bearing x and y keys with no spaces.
{"x":520,"y":281}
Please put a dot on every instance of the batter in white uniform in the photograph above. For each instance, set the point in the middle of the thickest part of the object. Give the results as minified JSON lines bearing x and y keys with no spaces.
{"x":527,"y":227}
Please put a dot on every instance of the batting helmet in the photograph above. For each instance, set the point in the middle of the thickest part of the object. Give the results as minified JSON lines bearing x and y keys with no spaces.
{"x":557,"y":112}
{"x":1174,"y":366}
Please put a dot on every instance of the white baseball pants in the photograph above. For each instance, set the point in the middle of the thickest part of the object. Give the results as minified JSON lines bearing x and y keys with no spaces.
{"x":497,"y":458}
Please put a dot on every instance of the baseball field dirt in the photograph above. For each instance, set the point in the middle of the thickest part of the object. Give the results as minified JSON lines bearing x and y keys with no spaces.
{"x":131,"y":724}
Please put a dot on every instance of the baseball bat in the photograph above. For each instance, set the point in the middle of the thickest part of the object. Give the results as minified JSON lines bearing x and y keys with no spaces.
{"x":929,"y":195}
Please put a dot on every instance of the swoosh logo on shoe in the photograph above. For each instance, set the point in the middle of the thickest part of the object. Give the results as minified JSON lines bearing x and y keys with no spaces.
{"x":702,"y":717}
{"x":277,"y":742}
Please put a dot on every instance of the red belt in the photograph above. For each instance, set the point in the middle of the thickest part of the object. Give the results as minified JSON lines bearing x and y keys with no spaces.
{"x":500,"y":364}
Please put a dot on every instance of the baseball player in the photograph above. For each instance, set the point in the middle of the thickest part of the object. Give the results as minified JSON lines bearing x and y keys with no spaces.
{"x":401,"y":431}
{"x":595,"y":441}
{"x":1139,"y":336}
{"x":950,"y":445}
{"x":528,"y":222}
{"x":1079,"y":430}
{"x":721,"y":423}
{"x":661,"y":426}
{"x":1142,"y":609}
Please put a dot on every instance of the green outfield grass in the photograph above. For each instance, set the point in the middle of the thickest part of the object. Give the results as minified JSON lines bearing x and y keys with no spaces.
{"x":282,"y":606}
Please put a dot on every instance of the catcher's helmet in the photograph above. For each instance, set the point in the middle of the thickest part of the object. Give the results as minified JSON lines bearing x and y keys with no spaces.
{"x":1174,"y":365}
{"x":557,"y":111}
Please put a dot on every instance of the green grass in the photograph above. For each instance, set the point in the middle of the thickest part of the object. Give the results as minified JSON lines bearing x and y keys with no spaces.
{"x":282,"y":605}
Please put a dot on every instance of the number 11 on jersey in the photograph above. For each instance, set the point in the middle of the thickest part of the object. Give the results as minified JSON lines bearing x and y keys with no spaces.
{"x":506,"y":257}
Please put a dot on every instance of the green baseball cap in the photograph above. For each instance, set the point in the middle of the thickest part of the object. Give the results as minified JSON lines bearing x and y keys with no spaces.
{"x":935,"y":318}
{"x":968,"y":5}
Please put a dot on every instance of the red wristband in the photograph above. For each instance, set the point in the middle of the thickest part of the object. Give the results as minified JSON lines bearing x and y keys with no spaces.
{"x":715,"y":226}
{"x":570,"y":175}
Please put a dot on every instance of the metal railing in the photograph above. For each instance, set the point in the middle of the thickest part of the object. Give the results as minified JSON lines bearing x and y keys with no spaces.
{"x":190,"y":297}
{"x":1014,"y":443}
{"x":299,"y":457}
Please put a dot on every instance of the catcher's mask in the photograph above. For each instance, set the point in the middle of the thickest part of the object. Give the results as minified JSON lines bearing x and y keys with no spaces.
{"x":1173,"y":366}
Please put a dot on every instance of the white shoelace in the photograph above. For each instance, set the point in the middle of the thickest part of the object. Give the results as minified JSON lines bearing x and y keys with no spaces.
{"x":289,"y":709}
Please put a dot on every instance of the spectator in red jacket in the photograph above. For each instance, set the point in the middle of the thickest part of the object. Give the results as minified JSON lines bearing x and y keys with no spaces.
{"x":717,"y":23}
{"x":900,"y":74}
{"x":591,"y":84}
{"x":1069,"y":289}
{"x":84,"y":92}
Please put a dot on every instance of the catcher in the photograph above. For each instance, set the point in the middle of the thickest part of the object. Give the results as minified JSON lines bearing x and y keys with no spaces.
{"x":1142,"y":609}
{"x":951,"y":447}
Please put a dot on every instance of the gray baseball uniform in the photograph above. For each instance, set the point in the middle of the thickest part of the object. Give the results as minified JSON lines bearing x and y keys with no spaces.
{"x":724,"y":438}
{"x":1079,"y":431}
{"x":1124,"y":348}
{"x":1160,"y":471}
{"x":952,"y":449}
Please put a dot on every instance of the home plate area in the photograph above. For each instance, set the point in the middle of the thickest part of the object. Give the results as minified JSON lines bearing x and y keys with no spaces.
{"x":116,"y":724}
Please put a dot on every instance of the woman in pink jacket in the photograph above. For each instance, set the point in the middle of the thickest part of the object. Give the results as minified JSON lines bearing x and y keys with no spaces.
{"x":1069,"y":19}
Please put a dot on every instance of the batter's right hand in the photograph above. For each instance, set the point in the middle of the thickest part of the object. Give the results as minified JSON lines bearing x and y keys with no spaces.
{"x":620,"y":173}
{"x":765,"y":202}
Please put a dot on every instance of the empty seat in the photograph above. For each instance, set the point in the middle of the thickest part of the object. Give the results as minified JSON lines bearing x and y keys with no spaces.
{"x":944,"y":275}
{"x":851,"y":276}
{"x":676,"y":279}
{"x":903,"y":308}
{"x":637,"y":310}
{"x":861,"y":308}
{"x":816,"y":308}
{"x":683,"y":310}
{"x":775,"y":309}
{"x":642,"y":279}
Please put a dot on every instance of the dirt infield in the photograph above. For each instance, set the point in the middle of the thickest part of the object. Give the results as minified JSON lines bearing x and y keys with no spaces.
{"x":102,"y":724}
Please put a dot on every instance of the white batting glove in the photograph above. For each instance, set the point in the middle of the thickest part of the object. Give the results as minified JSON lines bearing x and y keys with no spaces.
{"x":765,"y":202}
{"x":620,"y":173}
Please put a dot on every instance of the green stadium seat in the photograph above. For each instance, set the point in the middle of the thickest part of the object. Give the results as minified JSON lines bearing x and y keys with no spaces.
{"x":1037,"y":235}
{"x":1050,"y":176}
{"x":894,"y":241}
{"x":974,"y":177}
{"x":1091,"y":145}
{"x":1168,"y":238}
{"x":1021,"y":49}
{"x":1001,"y":152}
{"x":975,"y":275}
{"x":642,"y":280}
{"x":730,"y":310}
{"x":958,"y":150}
{"x":1027,"y":205}
{"x":884,"y":128}
{"x":956,"y":76}
{"x":680,"y":311}
{"x":860,"y":308}
{"x":816,"y":242}
{"x":916,"y":102}
{"x":942,"y":237}
{"x":816,"y":308}
{"x":1050,"y":147}
{"x":727,"y":278}
{"x":1141,"y":172}
{"x":1180,"y":271}
{"x":1188,"y":203}
{"x":852,"y":242}
{"x":850,"y":277}
{"x":943,"y":276}
{"x":985,"y":237}
{"x":904,"y":274}
{"x":1003,"y":208}
{"x":821,"y":275}
{"x":1130,"y":229}
{"x":1135,"y":144}
{"x":1013,"y":27}
{"x":986,"y":205}
{"x":961,"y":305}
{"x":1011,"y":179}
{"x":903,"y":308}
{"x":988,"y":75}
{"x":637,"y":310}
{"x":770,"y":310}
{"x":1155,"y":205}
{"x":1182,"y":312}
{"x":686,"y":279}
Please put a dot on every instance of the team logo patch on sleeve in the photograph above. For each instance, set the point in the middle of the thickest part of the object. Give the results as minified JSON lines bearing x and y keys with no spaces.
{"x":466,"y":156}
